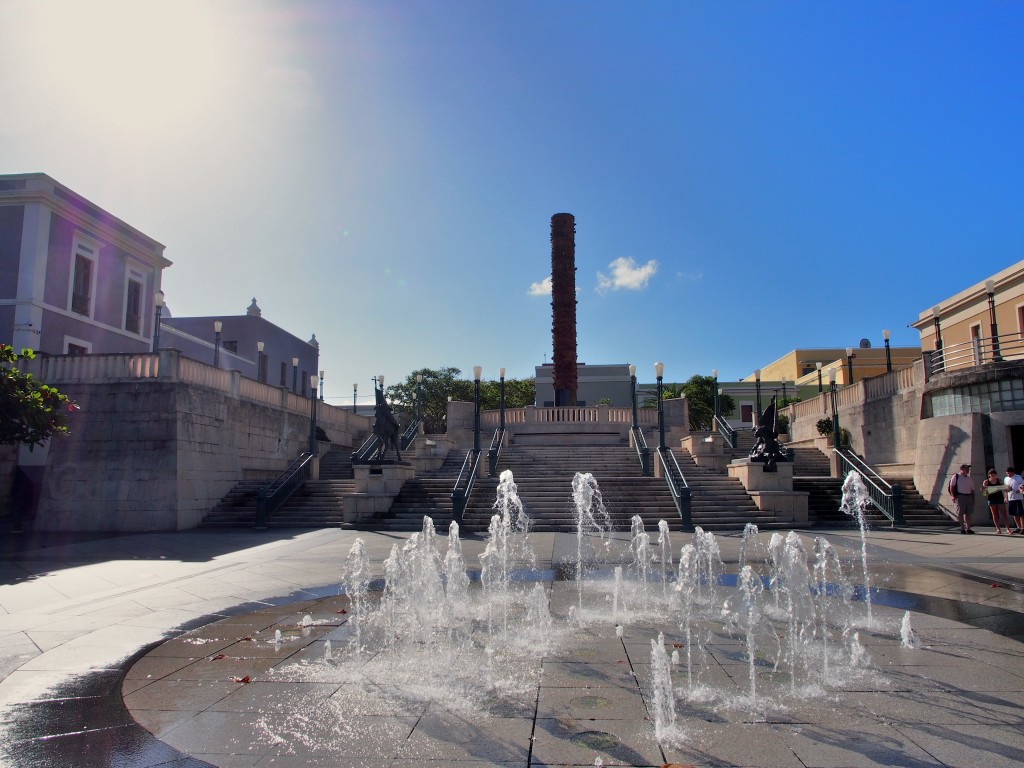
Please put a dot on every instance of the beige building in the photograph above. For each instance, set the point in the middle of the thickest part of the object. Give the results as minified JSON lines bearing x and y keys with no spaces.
{"x":981,"y":324}
{"x":800,"y":366}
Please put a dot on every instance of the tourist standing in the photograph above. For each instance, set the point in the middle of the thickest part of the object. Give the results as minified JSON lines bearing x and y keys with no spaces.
{"x":961,"y":488}
{"x":1013,"y":483}
{"x":995,"y":492}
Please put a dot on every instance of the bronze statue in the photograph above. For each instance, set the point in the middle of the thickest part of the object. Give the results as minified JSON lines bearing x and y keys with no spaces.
{"x":767,"y":448}
{"x":385,"y":427}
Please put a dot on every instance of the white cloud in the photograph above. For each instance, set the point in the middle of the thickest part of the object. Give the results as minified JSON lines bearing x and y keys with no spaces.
{"x":626,"y":274}
{"x":543,"y":288}
{"x":694,"y":276}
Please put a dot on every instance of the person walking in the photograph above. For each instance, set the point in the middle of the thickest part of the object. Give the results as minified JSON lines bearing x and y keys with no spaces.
{"x":995,"y":497}
{"x":1015,"y":495}
{"x":961,"y":488}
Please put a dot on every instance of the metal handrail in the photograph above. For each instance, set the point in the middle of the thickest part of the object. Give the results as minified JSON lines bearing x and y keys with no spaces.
{"x":270,"y":497}
{"x":410,"y":434}
{"x":682,"y":495}
{"x":726,"y":431}
{"x":642,"y":451}
{"x":460,"y":494}
{"x":885,"y":497}
{"x":497,"y":442}
{"x":980,"y":351}
{"x":367,"y":450}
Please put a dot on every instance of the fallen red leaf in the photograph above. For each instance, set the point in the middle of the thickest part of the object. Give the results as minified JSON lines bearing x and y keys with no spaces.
{"x":244,"y":639}
{"x":677,"y":645}
{"x":218,"y":657}
{"x":242,"y":680}
{"x":341,"y":611}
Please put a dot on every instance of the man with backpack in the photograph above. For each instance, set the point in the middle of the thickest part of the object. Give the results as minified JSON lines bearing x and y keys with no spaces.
{"x":961,"y":488}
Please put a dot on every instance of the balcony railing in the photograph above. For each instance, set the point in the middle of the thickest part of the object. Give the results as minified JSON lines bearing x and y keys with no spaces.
{"x":979,"y":351}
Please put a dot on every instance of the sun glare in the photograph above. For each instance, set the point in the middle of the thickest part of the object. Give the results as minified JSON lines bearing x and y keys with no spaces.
{"x":130,"y":64}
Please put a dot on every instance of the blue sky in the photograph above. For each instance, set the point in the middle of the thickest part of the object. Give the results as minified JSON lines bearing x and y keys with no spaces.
{"x":746,"y":177}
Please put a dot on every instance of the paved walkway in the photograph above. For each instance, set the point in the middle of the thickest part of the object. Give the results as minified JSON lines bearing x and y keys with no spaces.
{"x":81,"y":625}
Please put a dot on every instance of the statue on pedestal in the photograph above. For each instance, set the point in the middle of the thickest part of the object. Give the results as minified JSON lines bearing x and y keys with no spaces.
{"x":385,"y":427}
{"x":767,"y":448}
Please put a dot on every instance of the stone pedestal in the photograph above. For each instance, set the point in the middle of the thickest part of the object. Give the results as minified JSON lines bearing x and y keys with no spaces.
{"x":375,"y":489}
{"x":772,"y":491}
{"x":706,"y":450}
{"x":431,"y":453}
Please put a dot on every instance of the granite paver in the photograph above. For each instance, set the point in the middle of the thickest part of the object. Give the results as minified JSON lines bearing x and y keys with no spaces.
{"x":106,"y":658}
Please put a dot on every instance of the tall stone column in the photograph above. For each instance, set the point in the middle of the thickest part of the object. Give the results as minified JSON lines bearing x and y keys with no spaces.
{"x":563,"y":307}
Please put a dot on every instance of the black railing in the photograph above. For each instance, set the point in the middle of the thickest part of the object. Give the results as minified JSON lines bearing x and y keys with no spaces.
{"x":681,"y":493}
{"x":642,"y":451}
{"x":464,"y":484}
{"x":888,"y":499}
{"x":410,"y":434}
{"x":497,"y":442}
{"x":726,"y":431}
{"x":270,"y":498}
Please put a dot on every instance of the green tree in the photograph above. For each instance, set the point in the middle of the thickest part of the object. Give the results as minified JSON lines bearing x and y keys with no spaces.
{"x":30,"y":411}
{"x":440,"y":384}
{"x":700,"y":399}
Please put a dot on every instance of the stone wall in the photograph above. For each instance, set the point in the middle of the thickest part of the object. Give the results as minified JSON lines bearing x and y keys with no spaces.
{"x":158,"y":455}
{"x":8,"y":460}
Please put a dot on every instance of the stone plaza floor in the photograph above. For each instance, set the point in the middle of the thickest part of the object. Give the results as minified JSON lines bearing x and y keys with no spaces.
{"x":158,"y":650}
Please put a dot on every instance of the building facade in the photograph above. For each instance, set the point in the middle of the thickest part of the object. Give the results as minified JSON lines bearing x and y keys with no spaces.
{"x":74,"y":279}
{"x":247,"y":343}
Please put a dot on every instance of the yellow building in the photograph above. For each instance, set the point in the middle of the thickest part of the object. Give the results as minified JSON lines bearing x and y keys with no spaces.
{"x":801,"y":366}
{"x":982,"y":324}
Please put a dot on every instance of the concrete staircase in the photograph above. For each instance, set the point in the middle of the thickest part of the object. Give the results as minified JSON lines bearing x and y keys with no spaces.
{"x":826,"y":495}
{"x":428,"y":495}
{"x":318,"y":504}
{"x":544,"y":477}
{"x":810,"y":462}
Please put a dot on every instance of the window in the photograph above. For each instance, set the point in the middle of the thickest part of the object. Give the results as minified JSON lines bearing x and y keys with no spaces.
{"x":1020,"y":320}
{"x":81,"y":285}
{"x":73,"y":346}
{"x":133,"y":307}
{"x":231,"y":346}
{"x":305,"y":378}
{"x":976,"y":343}
{"x":747,"y":414}
{"x":284,"y":374}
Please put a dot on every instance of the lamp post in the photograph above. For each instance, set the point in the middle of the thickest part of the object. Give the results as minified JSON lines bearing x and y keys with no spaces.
{"x":990,"y":289}
{"x":355,"y":389}
{"x":419,"y":394}
{"x":849,"y":365}
{"x":785,"y":397}
{"x":261,"y":370}
{"x":295,"y":375}
{"x":888,"y":353}
{"x":659,"y":370}
{"x":938,"y":328}
{"x":312,"y":414}
{"x":820,"y":387}
{"x":158,"y":302}
{"x":714,"y":373}
{"x":217,"y":325}
{"x":632,"y":389}
{"x":835,"y":410}
{"x":501,"y":399}
{"x":757,"y":389}
{"x":321,"y":385}
{"x":477,"y":370}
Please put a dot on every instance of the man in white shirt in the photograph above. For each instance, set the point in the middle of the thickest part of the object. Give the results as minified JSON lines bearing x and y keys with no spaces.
{"x":1015,"y":497}
{"x":961,"y":488}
